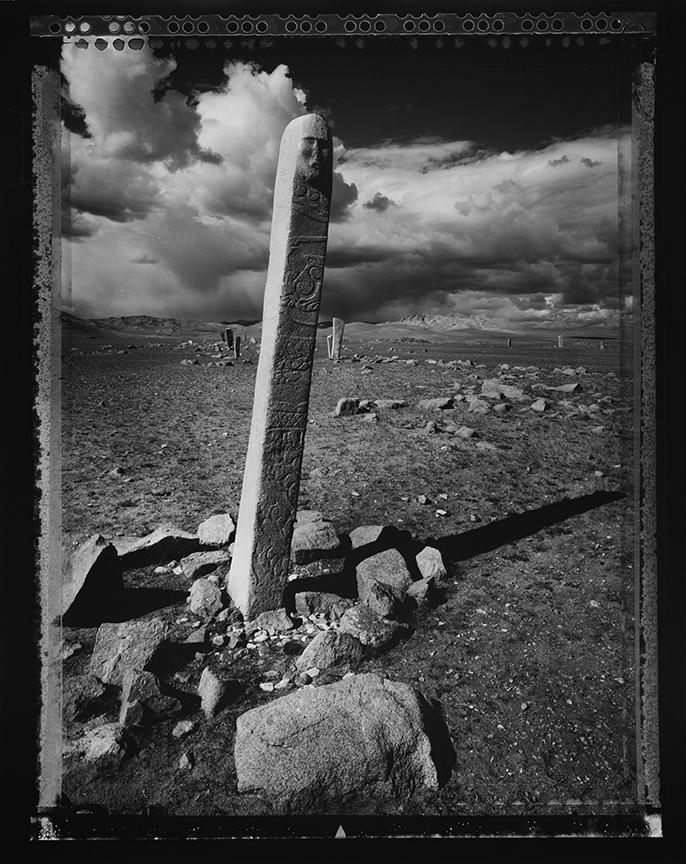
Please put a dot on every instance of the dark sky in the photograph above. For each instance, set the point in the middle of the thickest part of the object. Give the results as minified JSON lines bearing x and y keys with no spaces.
{"x":468,"y":181}
{"x":507,"y":100}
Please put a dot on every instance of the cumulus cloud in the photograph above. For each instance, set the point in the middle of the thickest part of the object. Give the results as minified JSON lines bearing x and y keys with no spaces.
{"x":185,"y":187}
{"x":379,"y":202}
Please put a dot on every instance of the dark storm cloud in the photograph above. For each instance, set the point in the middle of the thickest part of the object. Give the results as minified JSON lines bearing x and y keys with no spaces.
{"x":343,"y":196}
{"x":113,"y":190}
{"x":380,"y":203}
{"x":561,"y":161}
{"x":75,"y":226}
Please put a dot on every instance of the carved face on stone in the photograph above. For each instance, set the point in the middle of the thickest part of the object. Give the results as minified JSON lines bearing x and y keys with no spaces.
{"x":314,"y":158}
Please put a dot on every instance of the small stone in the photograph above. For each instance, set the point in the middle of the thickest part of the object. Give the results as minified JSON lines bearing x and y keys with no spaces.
{"x":212,"y":691}
{"x":218,"y":640}
{"x":81,"y":695}
{"x":217,"y":530}
{"x":346,"y":407}
{"x":131,"y":644}
{"x":272,"y":622}
{"x":183,"y":727}
{"x":436,"y":404}
{"x":163,"y":544}
{"x":539,"y":405}
{"x":465,"y":432}
{"x":370,"y":629}
{"x":313,"y":540}
{"x":309,"y":602}
{"x":267,"y":686}
{"x":186,"y":761}
{"x":329,"y":649}
{"x":365,"y":534}
{"x":104,"y":744}
{"x":422,"y":590}
{"x":204,"y":598}
{"x":197,"y":637}
{"x":477,"y":406}
{"x":69,"y":649}
{"x":430,"y":563}
{"x":200,"y":563}
{"x":390,"y":403}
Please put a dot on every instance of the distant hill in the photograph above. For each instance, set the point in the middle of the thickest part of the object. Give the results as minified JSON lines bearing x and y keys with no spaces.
{"x":453,"y":321}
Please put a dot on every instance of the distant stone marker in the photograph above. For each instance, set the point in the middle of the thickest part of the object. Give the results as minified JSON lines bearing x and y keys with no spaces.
{"x":227,"y":336}
{"x":602,"y":345}
{"x":329,"y":345}
{"x":559,"y":342}
{"x":509,"y":343}
{"x":237,"y":347}
{"x":337,"y":343}
{"x":302,"y":194}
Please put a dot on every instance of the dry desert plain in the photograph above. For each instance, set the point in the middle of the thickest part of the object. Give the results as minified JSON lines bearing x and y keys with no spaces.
{"x":529,"y":645}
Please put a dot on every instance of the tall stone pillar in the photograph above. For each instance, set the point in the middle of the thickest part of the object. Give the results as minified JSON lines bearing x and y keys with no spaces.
{"x":337,"y":343}
{"x":302,"y":194}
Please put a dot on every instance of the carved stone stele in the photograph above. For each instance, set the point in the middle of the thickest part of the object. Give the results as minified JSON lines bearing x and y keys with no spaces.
{"x":338,"y":325}
{"x":302,"y":194}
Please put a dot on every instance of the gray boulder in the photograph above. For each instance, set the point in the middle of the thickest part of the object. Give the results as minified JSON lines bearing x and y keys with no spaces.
{"x":81,"y":696}
{"x":200,"y":563}
{"x":92,"y":578}
{"x":346,"y":407}
{"x":365,"y":534}
{"x":362,"y":736}
{"x":330,"y":648}
{"x":273,"y":621}
{"x":430,"y":563}
{"x":390,"y":403}
{"x":213,"y":689}
{"x":143,"y":689}
{"x":165,"y":543}
{"x":105,"y":744}
{"x":131,"y":645}
{"x":322,"y":602}
{"x":312,"y":540}
{"x":496,"y":388}
{"x":217,"y":530}
{"x":389,"y":569}
{"x":422,"y":591}
{"x":438,"y":403}
{"x":369,"y":628}
{"x":204,"y":598}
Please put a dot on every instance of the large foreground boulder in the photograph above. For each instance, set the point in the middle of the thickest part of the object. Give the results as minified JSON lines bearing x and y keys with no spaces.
{"x":92,"y":580}
{"x":362,"y":736}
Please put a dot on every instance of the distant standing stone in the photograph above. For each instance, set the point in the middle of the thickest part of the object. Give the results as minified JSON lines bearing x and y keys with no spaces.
{"x":329,"y":343}
{"x":131,"y":644}
{"x":302,"y":193}
{"x":337,"y":342}
{"x":237,"y":347}
{"x":217,"y":530}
